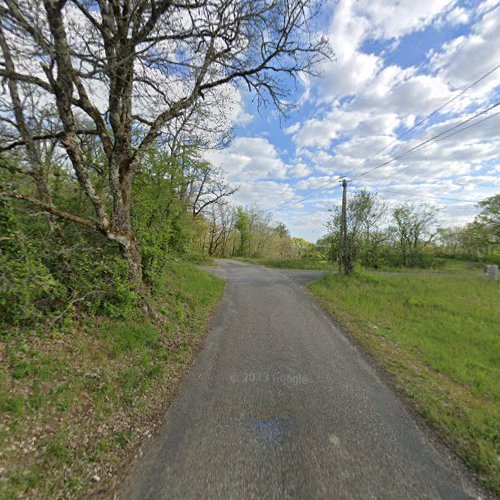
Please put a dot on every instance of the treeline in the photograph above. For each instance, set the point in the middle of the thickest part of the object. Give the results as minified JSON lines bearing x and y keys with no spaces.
{"x":104,"y":112}
{"x":409,"y":235}
{"x":52,"y":267}
{"x":236,"y":231}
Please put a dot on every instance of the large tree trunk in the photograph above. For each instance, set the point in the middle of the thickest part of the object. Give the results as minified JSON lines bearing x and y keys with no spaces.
{"x":130,"y":251}
{"x":134,"y":259}
{"x":122,"y":223}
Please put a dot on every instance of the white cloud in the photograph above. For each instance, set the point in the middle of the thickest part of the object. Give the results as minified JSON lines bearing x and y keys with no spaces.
{"x":347,"y":75}
{"x":419,"y":94}
{"x":316,"y":182}
{"x":363,"y":103}
{"x":299,"y":170}
{"x":466,"y":58}
{"x":389,"y":19}
{"x":235,"y":106}
{"x":360,"y":148}
{"x":456,"y":16}
{"x":264,"y":194}
{"x":316,"y":132}
{"x":487,"y":5}
{"x":292,"y":128}
{"x":353,"y":23}
{"x":250,"y":158}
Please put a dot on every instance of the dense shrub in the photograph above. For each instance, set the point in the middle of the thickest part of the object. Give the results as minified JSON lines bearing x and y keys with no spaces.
{"x":43,"y":281}
{"x":28,"y":291}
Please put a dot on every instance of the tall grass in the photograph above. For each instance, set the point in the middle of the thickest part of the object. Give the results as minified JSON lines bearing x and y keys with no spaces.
{"x":440,"y":339}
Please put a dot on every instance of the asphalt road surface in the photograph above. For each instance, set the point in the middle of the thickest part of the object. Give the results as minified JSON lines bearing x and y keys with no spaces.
{"x":279,"y":404}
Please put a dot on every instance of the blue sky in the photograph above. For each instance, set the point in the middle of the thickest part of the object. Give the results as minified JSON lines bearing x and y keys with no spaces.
{"x":396,"y":62}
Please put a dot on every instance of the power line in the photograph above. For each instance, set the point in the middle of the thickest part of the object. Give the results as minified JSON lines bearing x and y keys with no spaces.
{"x":450,"y":132}
{"x":437,"y":198}
{"x":313,"y":191}
{"x":288,"y":205}
{"x":309,"y":197}
{"x":461,"y":200}
{"x":423,"y":120}
{"x":441,"y":136}
{"x":420,"y":122}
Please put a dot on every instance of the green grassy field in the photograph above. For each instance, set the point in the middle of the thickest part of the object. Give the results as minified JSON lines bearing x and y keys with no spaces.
{"x":447,"y":266}
{"x":313,"y":264}
{"x":76,"y":404}
{"x":440,"y":340}
{"x":442,"y":265}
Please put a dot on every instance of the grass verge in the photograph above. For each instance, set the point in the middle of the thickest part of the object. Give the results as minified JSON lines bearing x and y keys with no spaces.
{"x":446,"y":266}
{"x":311,"y":264}
{"x":75,"y":405}
{"x":442,"y":265}
{"x":439,"y":339}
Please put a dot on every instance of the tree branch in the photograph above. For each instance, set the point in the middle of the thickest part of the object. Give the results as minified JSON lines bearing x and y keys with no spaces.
{"x":52,"y":210}
{"x":43,"y":137}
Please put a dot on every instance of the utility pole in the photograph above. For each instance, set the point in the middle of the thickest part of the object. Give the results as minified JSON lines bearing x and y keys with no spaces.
{"x":343,"y":230}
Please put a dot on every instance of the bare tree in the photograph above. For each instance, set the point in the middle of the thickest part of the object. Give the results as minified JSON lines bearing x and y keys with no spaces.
{"x":24,"y":124}
{"x":205,"y":125}
{"x":206,"y":186}
{"x":221,"y":220}
{"x":130,"y":67}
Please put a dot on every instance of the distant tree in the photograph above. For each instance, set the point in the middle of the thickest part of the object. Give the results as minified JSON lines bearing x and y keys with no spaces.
{"x":283,"y":243}
{"x":326,"y":246}
{"x":412,"y":227}
{"x":242,"y":224}
{"x":489,"y":217}
{"x":365,"y":214}
{"x":282,"y":231}
{"x":221,"y":219}
{"x":262,"y":232}
{"x":200,"y":183}
{"x":450,"y":238}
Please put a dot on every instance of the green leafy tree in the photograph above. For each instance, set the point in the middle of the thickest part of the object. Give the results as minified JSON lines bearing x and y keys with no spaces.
{"x":490,"y":218}
{"x":412,"y":228}
{"x":242,"y":224}
{"x":365,"y":214}
{"x":122,"y":48}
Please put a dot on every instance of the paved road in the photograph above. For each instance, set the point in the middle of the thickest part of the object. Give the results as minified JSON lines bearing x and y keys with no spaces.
{"x":279,"y":404}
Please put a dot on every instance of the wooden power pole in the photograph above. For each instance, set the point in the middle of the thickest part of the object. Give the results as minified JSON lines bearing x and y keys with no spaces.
{"x":343,"y":230}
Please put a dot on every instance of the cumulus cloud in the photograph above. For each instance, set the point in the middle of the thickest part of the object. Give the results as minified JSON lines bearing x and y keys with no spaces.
{"x":292,"y":128}
{"x":466,"y":58}
{"x":299,"y":170}
{"x":389,"y":19}
{"x":366,"y":98}
{"x":264,"y":194}
{"x":250,"y":158}
{"x":456,"y":16}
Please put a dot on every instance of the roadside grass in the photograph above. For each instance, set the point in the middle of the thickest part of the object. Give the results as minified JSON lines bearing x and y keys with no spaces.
{"x":439,"y":338}
{"x":75,"y":405}
{"x":442,"y":265}
{"x":312,"y":264}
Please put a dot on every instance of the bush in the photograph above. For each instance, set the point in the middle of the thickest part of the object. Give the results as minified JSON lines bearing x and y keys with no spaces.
{"x":28,"y":291}
{"x":44,"y":281}
{"x":98,"y":281}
